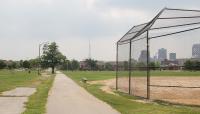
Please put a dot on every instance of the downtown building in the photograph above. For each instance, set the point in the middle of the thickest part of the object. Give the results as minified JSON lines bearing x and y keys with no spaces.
{"x":196,"y":51}
{"x":172,"y":56}
{"x":162,"y":54}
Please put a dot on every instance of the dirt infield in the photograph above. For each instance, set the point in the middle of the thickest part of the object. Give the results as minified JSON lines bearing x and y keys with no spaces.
{"x":183,"y":90}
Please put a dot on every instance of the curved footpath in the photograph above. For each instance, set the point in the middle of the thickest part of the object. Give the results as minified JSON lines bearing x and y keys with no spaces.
{"x":66,"y":97}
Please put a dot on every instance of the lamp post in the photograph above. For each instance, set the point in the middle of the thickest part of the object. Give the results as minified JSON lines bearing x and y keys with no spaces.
{"x":39,"y":63}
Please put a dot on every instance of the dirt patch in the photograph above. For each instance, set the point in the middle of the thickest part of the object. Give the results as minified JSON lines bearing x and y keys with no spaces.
{"x":183,"y":93}
{"x":107,"y":85}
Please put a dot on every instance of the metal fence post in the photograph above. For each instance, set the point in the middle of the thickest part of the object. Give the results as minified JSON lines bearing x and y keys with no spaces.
{"x":129,"y":91}
{"x":117,"y":67}
{"x":148,"y":67}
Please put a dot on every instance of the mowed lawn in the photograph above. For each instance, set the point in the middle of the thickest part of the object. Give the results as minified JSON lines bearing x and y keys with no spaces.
{"x":10,"y":79}
{"x":125,"y":103}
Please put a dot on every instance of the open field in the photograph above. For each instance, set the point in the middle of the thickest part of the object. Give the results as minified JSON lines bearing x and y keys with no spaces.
{"x":10,"y":79}
{"x":128,"y":104}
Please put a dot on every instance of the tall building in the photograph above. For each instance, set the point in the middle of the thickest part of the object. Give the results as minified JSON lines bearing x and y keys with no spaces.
{"x":196,"y":51}
{"x":143,"y":56}
{"x":172,"y":56}
{"x":162,"y":54}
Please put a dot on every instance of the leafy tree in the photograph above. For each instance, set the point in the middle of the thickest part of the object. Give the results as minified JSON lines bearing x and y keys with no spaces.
{"x":34,"y":63}
{"x":2,"y":64}
{"x":92,"y":64}
{"x":21,"y":63}
{"x":11,"y":64}
{"x":152,"y":65}
{"x":75,"y":65}
{"x":108,"y":66}
{"x":188,"y":65}
{"x":26,"y":64}
{"x":141,"y":65}
{"x":126,"y":65}
{"x":52,"y":56}
{"x":196,"y":65}
{"x":65,"y":65}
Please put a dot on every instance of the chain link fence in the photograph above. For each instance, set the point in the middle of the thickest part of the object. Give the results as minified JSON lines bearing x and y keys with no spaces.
{"x":160,"y":59}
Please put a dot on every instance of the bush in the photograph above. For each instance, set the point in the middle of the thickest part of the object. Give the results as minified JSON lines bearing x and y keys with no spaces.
{"x":2,"y":64}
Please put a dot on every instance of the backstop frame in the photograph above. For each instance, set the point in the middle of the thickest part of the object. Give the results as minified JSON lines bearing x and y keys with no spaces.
{"x":146,"y":29}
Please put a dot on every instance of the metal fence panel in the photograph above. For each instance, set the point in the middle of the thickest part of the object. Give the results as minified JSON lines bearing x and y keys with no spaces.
{"x":160,"y":60}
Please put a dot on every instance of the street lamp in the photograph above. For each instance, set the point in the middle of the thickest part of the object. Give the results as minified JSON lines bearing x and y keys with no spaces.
{"x":39,"y":63}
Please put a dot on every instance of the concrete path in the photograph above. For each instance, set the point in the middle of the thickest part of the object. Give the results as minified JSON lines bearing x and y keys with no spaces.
{"x":66,"y":97}
{"x":12,"y":102}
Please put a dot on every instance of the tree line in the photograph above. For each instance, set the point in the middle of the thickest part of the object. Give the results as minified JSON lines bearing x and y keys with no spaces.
{"x":9,"y":64}
{"x":192,"y":65}
{"x":53,"y":58}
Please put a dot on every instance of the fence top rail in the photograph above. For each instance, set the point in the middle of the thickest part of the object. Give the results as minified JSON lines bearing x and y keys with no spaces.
{"x":138,"y":30}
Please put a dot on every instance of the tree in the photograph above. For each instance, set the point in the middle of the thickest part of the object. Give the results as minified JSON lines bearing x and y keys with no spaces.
{"x":26,"y":64}
{"x":75,"y":65}
{"x":152,"y":65}
{"x":188,"y":65}
{"x":52,"y":56}
{"x":92,"y":64}
{"x":192,"y":65}
{"x":21,"y":63}
{"x":126,"y":65}
{"x":12,"y":64}
{"x":108,"y":66}
{"x":34,"y":63}
{"x":2,"y":64}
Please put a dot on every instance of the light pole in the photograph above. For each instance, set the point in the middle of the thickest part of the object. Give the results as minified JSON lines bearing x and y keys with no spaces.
{"x":39,"y":63}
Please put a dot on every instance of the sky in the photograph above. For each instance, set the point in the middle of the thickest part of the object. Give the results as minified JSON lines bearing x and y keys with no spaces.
{"x":24,"y":24}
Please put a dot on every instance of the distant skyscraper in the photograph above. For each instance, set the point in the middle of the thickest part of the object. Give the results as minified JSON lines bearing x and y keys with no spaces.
{"x":162,"y":54}
{"x":143,"y":56}
{"x":172,"y":56}
{"x":196,"y":51}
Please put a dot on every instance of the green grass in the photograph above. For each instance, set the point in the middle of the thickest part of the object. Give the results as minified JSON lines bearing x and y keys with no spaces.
{"x":103,"y":75}
{"x":37,"y":102}
{"x":95,"y":75}
{"x":10,"y":79}
{"x":123,"y":102}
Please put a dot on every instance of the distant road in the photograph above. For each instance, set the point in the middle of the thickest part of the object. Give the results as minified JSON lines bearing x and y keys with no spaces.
{"x":66,"y":97}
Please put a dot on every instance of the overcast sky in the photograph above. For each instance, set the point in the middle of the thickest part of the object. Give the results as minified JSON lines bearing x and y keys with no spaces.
{"x":71,"y":23}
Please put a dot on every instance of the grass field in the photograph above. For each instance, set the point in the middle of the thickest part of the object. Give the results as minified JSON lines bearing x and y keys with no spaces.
{"x":102,"y":75}
{"x":10,"y":79}
{"x":125,"y":103}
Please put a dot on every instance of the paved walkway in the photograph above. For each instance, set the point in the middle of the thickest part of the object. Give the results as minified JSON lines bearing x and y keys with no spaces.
{"x":12,"y":102}
{"x":66,"y":97}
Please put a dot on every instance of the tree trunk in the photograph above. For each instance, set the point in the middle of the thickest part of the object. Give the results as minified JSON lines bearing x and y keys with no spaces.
{"x":53,"y":68}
